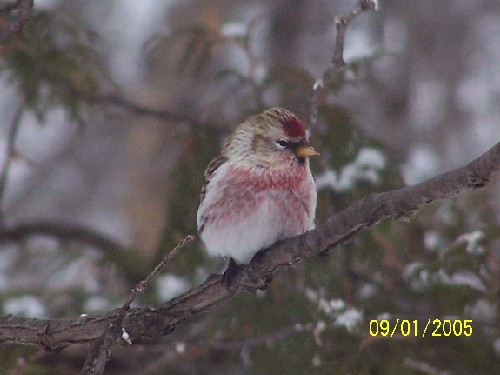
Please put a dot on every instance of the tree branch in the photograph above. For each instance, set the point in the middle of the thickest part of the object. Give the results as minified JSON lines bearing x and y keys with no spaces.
{"x":115,"y":98}
{"x":161,"y":319}
{"x":7,"y":7}
{"x":59,"y":230}
{"x":172,"y":351}
{"x":9,"y":153}
{"x":101,"y":349}
{"x":142,"y":110}
{"x":337,"y":63}
{"x":23,"y":8}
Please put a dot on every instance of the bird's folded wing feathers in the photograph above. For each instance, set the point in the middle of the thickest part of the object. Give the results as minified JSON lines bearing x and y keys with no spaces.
{"x":214,"y":164}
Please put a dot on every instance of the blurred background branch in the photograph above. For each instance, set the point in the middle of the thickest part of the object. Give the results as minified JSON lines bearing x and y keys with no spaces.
{"x":62,"y":231}
{"x":22,"y":8}
{"x":337,"y":63}
{"x":9,"y":155}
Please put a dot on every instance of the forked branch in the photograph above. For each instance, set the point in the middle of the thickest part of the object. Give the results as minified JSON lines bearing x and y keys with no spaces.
{"x":337,"y":63}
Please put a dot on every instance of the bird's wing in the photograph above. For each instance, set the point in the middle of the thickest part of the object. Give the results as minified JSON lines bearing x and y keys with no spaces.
{"x":214,"y":164}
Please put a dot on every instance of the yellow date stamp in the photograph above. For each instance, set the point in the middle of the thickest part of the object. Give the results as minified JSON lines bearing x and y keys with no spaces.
{"x":416,"y":328}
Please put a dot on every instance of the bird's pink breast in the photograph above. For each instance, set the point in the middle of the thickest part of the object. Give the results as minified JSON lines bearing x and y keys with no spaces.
{"x":288,"y":193}
{"x":248,"y":209}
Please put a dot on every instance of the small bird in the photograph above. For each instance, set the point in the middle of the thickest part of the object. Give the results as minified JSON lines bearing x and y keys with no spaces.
{"x":260,"y":189}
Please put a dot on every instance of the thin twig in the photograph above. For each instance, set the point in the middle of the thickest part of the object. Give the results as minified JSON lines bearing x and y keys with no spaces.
{"x":141,"y":286}
{"x":9,"y":152}
{"x":337,"y":63}
{"x":100,"y":350}
{"x":138,"y":109}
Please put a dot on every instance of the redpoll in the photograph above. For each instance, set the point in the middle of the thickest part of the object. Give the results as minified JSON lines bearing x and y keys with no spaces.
{"x":259,"y":190}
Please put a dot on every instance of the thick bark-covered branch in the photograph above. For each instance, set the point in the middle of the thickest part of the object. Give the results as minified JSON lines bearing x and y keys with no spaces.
{"x":161,"y":319}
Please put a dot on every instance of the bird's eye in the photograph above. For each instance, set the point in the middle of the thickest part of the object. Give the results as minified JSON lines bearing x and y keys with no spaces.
{"x":282,"y":143}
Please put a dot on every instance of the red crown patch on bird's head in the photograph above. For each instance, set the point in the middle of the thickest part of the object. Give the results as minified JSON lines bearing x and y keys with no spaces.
{"x":293,"y":127}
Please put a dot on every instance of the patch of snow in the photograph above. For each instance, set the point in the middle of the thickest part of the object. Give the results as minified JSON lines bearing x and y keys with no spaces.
{"x":395,"y":34}
{"x":126,"y":337}
{"x":180,"y":347}
{"x":6,"y":256}
{"x":461,"y":278}
{"x":311,"y":295}
{"x":367,"y":291}
{"x":316,"y":361}
{"x":95,"y":304}
{"x":24,"y":306}
{"x":482,"y":310}
{"x":422,"y":163}
{"x":385,"y":315}
{"x":350,"y":319}
{"x":80,"y":271}
{"x":337,"y":304}
{"x":144,"y":19}
{"x":432,"y":240}
{"x":318,"y":84}
{"x":234,"y":30}
{"x":331,"y":306}
{"x":46,"y":4}
{"x":260,"y":293}
{"x":298,"y":327}
{"x":52,"y":136}
{"x":421,"y":279}
{"x":471,"y":240}
{"x":358,"y":44}
{"x":259,"y":72}
{"x":370,"y":157}
{"x":366,"y":167}
{"x":170,"y":286}
{"x":427,"y":104}
{"x":411,"y":269}
{"x":496,"y":346}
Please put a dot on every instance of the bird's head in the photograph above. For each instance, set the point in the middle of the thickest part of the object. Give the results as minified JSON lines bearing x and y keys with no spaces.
{"x":273,"y":138}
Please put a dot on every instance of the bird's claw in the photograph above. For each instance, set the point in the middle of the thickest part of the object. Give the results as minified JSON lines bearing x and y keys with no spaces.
{"x":249,"y":279}
{"x":230,"y":273}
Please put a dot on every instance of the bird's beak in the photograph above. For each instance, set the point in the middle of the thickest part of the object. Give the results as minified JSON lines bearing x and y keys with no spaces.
{"x":305,"y":151}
